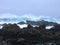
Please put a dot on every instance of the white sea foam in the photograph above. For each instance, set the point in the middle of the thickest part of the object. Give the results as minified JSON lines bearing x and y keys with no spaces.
{"x":12,"y":18}
{"x":49,"y":27}
{"x":22,"y":26}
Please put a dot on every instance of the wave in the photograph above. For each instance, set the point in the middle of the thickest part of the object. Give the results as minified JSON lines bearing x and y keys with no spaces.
{"x":11,"y":18}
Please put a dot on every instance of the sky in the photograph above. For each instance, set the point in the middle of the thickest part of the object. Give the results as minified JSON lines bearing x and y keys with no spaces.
{"x":49,"y":8}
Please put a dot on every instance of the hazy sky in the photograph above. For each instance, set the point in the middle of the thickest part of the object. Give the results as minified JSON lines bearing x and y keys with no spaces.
{"x":35,"y":7}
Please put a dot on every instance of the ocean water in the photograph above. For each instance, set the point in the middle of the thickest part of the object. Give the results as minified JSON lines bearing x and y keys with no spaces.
{"x":9,"y":18}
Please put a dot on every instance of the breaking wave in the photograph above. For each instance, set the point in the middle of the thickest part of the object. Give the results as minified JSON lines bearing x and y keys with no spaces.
{"x":11,"y":18}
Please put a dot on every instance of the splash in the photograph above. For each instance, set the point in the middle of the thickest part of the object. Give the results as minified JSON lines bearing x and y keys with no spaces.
{"x":12,"y":18}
